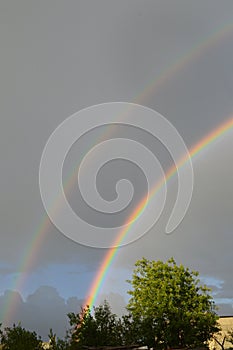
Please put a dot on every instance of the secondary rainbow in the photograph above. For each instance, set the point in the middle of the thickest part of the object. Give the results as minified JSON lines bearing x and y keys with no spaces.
{"x":31,"y":251}
{"x":112,"y":252}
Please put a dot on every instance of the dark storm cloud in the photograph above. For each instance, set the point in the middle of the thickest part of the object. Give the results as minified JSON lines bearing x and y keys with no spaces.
{"x":42,"y":310}
{"x":45,"y":309}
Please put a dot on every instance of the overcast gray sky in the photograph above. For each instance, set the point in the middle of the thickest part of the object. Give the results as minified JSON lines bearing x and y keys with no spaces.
{"x":58,"y":57}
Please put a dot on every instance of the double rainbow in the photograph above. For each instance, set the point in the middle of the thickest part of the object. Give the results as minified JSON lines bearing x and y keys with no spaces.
{"x":31,"y":251}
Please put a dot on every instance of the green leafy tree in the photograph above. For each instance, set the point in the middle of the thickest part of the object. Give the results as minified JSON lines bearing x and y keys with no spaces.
{"x":107,"y":325}
{"x":130,"y":331}
{"x":170,"y":305}
{"x":83,"y":329}
{"x":18,"y":338}
{"x":101,"y":329}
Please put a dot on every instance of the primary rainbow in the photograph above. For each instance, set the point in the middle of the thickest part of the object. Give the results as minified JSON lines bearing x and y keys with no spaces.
{"x":31,"y":251}
{"x":108,"y":259}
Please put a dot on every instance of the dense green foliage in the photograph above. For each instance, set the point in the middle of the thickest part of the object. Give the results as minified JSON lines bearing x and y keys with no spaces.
{"x":170,"y":305}
{"x":103,"y":328}
{"x":18,"y":338}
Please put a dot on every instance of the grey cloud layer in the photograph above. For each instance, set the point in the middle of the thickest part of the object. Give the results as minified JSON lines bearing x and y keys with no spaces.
{"x":59,"y":57}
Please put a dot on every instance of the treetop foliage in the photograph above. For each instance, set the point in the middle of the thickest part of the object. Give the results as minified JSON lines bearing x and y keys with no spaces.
{"x":17,"y":337}
{"x":170,"y":300}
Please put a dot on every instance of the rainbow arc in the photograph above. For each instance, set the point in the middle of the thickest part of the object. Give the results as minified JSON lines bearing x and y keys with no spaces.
{"x":31,"y":252}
